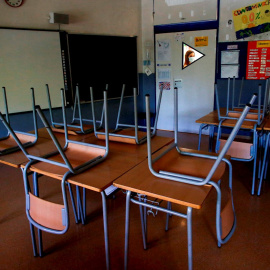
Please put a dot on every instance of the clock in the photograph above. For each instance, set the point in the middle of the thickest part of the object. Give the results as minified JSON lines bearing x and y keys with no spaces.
{"x":14,"y":3}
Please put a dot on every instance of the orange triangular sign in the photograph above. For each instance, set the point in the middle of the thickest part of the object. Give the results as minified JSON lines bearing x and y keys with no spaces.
{"x":190,"y":55}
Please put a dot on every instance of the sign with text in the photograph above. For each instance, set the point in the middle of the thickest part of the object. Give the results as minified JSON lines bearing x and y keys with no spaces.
{"x":252,"y":20}
{"x":258,"y":60}
{"x":201,"y":41}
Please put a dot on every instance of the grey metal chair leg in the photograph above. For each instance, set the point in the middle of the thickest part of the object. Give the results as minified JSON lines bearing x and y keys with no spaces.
{"x":40,"y":243}
{"x":33,"y":237}
{"x":79,"y":206}
{"x":73,"y":202}
{"x":127,"y":228}
{"x":105,"y":225}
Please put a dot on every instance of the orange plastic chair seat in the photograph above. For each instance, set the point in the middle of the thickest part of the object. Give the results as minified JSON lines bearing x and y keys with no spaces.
{"x":71,"y":130}
{"x":126,"y":132}
{"x":47,"y":214}
{"x":188,"y":165}
{"x":237,"y":149}
{"x":10,"y":142}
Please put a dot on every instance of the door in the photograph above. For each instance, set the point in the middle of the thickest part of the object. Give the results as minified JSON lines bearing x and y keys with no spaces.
{"x":196,"y":92}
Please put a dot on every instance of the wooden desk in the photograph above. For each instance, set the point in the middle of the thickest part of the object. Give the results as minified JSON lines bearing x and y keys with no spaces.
{"x":42,"y":147}
{"x":208,"y":121}
{"x":121,"y":158}
{"x":211,"y":121}
{"x":141,"y":181}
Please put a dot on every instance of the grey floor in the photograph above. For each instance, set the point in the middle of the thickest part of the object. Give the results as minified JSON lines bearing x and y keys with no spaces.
{"x":82,"y":247}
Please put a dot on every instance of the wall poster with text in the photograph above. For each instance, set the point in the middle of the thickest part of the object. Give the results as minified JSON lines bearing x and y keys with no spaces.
{"x":258,"y":60}
{"x":252,"y":20}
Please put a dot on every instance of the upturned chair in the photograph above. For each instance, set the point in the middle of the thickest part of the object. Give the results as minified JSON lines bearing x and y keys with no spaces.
{"x":191,"y":167}
{"x":130,"y":133}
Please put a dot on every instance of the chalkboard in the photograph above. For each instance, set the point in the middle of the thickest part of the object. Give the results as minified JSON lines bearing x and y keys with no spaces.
{"x":30,"y":58}
{"x":99,"y":60}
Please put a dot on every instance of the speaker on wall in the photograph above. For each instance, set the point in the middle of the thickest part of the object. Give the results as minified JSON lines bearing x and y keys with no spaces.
{"x":59,"y":18}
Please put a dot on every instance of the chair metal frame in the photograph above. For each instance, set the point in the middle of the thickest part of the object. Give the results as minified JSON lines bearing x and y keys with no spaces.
{"x":185,"y":179}
{"x":260,"y":116}
{"x":120,"y":126}
{"x":80,"y":119}
{"x":13,"y":149}
{"x":71,"y":170}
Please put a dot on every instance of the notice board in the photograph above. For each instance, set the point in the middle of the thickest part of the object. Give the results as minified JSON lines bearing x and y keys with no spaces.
{"x":248,"y":59}
{"x":258,"y":60}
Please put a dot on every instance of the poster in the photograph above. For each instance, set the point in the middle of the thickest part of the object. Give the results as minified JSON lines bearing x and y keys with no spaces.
{"x":258,"y":60}
{"x":164,"y":78}
{"x":252,"y":20}
{"x":164,"y":50}
{"x":201,"y":41}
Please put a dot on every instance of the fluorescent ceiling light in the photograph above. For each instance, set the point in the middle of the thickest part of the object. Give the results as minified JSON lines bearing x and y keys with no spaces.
{"x":181,"y":2}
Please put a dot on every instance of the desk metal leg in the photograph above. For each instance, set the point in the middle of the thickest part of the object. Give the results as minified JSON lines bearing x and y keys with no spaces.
{"x":127,"y":228}
{"x":211,"y":137}
{"x":145,"y":218}
{"x":255,"y":142}
{"x":189,"y":236}
{"x":143,"y":223}
{"x":202,"y":126}
{"x":169,"y":206}
{"x":105,"y":225}
{"x":187,"y":216}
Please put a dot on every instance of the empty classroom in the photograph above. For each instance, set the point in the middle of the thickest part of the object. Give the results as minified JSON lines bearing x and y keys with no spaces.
{"x":134,"y":134}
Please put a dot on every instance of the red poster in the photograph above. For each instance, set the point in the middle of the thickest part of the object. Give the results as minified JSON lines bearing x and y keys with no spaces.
{"x":258,"y":60}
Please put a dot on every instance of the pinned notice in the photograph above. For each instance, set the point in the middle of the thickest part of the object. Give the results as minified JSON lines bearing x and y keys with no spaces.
{"x":201,"y":41}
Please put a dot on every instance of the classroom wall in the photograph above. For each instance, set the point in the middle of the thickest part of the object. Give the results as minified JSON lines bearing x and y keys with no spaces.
{"x":102,"y":17}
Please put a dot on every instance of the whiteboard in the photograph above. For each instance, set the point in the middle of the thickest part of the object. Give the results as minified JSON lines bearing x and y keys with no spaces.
{"x":30,"y":58}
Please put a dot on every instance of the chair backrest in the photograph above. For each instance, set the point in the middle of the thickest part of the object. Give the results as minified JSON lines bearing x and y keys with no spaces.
{"x":131,"y":136}
{"x":256,"y":114}
{"x":100,"y":152}
{"x":76,"y":115}
{"x":93,"y":160}
{"x":187,"y":178}
{"x":8,"y":145}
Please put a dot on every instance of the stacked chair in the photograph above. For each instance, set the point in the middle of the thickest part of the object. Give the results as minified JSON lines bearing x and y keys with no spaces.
{"x":242,"y":150}
{"x":130,"y":133}
{"x":74,"y":158}
{"x":78,"y":124}
{"x":8,"y":143}
{"x":192,"y":167}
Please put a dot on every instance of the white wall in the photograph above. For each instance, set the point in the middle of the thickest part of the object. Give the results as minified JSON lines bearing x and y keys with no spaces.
{"x":102,"y":17}
{"x":168,"y":11}
{"x":117,"y":17}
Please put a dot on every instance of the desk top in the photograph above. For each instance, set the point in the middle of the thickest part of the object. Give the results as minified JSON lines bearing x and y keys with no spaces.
{"x":266,"y":123}
{"x":212,"y":119}
{"x":140,"y":180}
{"x":41,"y":147}
{"x":121,"y":158}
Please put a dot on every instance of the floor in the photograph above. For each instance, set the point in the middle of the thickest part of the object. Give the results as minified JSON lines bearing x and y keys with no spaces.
{"x":82,"y":247}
